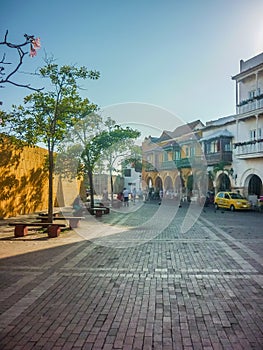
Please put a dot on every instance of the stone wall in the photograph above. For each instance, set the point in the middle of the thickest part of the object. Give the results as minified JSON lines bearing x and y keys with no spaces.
{"x":24,"y":181}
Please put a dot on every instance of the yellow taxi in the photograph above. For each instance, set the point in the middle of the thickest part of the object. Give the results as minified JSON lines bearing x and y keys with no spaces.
{"x":231,"y":200}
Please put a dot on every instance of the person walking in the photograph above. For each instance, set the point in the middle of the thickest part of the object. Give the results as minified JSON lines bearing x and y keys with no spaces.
{"x":134,"y":192}
{"x":126,"y":197}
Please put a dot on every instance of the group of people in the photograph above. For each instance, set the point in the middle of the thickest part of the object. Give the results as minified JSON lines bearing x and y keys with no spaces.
{"x":126,"y":194}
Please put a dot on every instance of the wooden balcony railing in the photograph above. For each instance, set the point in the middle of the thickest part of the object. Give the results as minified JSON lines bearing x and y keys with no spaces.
{"x":215,"y":158}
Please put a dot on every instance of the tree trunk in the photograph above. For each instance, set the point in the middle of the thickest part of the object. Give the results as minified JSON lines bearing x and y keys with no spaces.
{"x":50,"y":185}
{"x":90,"y":175}
{"x":111,"y":185}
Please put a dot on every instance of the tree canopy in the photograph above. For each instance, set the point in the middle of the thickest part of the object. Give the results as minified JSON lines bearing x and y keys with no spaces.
{"x":85,"y":148}
{"x":46,"y":117}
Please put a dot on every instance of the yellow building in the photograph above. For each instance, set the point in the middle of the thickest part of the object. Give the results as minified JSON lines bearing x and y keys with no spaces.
{"x":172,"y":160}
{"x":24,"y":181}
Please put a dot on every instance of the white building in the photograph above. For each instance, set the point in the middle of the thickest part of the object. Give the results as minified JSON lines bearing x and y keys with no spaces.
{"x":217,"y":143}
{"x":132,"y":179}
{"x":248,"y":142}
{"x":235,"y":143}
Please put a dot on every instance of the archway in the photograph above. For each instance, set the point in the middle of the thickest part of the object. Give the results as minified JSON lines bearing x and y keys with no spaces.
{"x":168,"y":186}
{"x":223,"y":183}
{"x":255,"y":186}
{"x":158,"y":188}
{"x":179,"y":184}
{"x":158,"y":183}
{"x":149,"y":182}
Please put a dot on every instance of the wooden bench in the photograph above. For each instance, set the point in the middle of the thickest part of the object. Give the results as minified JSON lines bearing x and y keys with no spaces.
{"x":21,"y":228}
{"x":73,"y":220}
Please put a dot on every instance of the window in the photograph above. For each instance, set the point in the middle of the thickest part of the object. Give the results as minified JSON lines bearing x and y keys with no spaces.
{"x":227,"y":147}
{"x":127,"y":172}
{"x":218,"y":145}
{"x":253,"y":134}
{"x":149,"y":158}
{"x":165,"y":156}
{"x":208,"y":148}
{"x":259,"y":133}
{"x":252,"y":94}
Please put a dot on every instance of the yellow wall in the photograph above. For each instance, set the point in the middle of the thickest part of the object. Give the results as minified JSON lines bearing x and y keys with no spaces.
{"x":24,"y":181}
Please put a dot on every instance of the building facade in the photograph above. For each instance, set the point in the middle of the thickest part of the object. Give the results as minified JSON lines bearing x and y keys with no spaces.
{"x":172,"y":161}
{"x":230,"y":148}
{"x":248,"y":143}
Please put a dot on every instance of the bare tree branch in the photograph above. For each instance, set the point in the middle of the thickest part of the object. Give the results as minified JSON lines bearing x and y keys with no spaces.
{"x":8,"y":78}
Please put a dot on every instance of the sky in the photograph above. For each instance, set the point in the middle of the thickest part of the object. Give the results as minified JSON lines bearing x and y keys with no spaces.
{"x":161,"y":62}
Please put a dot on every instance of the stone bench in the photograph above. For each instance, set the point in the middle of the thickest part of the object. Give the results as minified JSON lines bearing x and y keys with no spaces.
{"x":73,"y":220}
{"x":21,"y":228}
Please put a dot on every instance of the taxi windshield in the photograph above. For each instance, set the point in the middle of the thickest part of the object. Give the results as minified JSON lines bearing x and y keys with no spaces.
{"x":236,"y":196}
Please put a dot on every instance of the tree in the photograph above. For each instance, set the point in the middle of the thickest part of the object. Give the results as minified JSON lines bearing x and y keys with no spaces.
{"x":47,"y":116}
{"x":6,"y":77}
{"x":88,"y":151}
{"x":134,"y":158}
{"x":122,"y":149}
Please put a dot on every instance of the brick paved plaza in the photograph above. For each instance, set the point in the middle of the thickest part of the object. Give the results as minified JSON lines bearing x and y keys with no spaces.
{"x":132,"y":285}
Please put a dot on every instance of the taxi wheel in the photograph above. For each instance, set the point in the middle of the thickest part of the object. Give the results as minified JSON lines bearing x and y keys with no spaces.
{"x":216,"y":206}
{"x":232,"y":208}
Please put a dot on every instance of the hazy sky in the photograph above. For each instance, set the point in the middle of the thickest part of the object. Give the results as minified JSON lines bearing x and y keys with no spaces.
{"x":177,"y":55}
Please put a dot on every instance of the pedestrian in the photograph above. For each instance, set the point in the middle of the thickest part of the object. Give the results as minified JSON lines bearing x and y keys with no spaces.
{"x":140,"y":194}
{"x":105,"y":195}
{"x":134,"y":195}
{"x":126,"y":197}
{"x":77,"y":206}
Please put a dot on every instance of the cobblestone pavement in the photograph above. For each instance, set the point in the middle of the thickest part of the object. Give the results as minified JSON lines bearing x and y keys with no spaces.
{"x":132,"y":287}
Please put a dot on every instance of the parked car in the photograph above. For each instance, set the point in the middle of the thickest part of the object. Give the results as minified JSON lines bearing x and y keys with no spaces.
{"x":231,"y":200}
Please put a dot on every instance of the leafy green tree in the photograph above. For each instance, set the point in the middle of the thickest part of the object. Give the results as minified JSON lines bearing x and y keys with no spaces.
{"x":47,"y":116}
{"x":119,"y":150}
{"x":134,"y":158}
{"x":89,"y":150}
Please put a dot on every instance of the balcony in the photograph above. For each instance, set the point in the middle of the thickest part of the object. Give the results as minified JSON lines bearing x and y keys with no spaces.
{"x":150,"y":168}
{"x":249,"y":149}
{"x":218,"y":157}
{"x":250,"y":105}
{"x":196,"y":162}
{"x":168,"y":165}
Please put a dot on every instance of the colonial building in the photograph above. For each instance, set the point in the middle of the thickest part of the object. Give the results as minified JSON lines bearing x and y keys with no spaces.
{"x":248,"y":142}
{"x":171,"y":160}
{"x":217,"y":144}
{"x":231,"y":148}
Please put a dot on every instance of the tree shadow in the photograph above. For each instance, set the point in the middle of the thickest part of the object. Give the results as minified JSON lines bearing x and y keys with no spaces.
{"x":21,"y":182}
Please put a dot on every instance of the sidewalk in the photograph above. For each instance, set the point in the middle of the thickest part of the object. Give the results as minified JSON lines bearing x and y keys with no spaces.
{"x":132,"y":287}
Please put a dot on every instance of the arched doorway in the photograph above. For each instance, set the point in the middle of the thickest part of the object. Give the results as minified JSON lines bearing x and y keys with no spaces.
{"x":158,"y":183}
{"x":168,"y":186}
{"x":255,"y":186}
{"x":149,"y":182}
{"x":158,"y":190}
{"x":179,"y":184}
{"x":223,"y":183}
